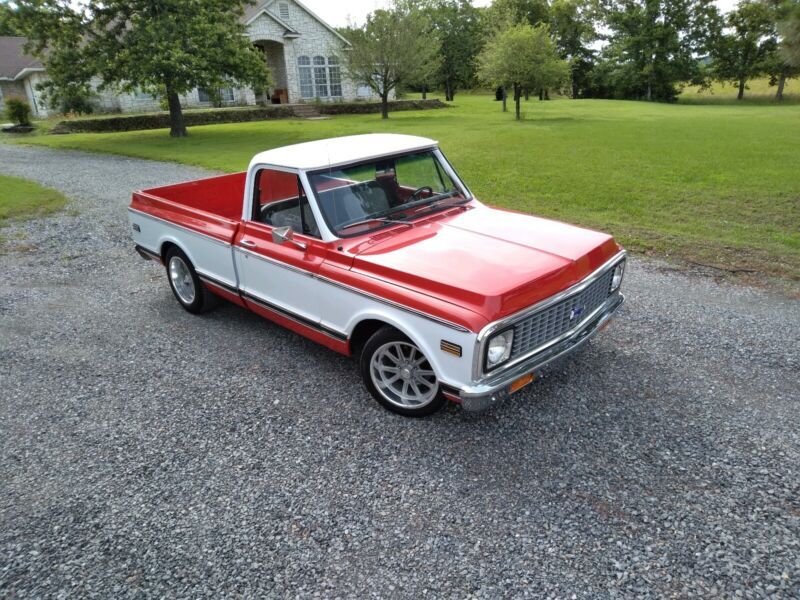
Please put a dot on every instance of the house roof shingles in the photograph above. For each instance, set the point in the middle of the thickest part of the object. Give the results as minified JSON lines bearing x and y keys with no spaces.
{"x":13,"y":60}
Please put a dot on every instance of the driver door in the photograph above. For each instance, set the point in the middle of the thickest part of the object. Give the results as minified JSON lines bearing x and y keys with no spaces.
{"x":278,"y":277}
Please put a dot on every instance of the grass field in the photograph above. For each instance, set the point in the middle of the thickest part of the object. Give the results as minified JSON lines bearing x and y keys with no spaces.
{"x":23,"y":199}
{"x":758,"y":91}
{"x":713,"y":184}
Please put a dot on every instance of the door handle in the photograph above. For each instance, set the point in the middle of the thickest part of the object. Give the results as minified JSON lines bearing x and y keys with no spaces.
{"x":248,"y":244}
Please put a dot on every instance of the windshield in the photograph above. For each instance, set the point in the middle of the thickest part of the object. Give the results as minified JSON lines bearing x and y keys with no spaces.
{"x":368,"y":196}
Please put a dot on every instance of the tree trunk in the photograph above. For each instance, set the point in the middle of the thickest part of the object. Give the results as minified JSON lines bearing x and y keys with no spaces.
{"x":546,"y":94}
{"x":424,"y":92}
{"x":517,"y":98}
{"x":505,"y":100}
{"x":741,"y":89}
{"x":448,"y":91}
{"x":574,"y":90}
{"x":527,"y":94}
{"x":649,"y":94}
{"x":541,"y":94}
{"x":177,"y":126}
{"x":385,"y":106}
{"x":781,"y":85}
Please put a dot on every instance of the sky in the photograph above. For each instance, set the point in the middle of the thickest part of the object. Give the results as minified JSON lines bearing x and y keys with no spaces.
{"x":339,"y":12}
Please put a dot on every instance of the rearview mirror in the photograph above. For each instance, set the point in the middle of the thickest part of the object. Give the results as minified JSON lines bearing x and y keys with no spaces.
{"x":281,"y":235}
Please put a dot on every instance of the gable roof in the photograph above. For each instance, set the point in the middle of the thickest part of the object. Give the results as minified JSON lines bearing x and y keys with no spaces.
{"x":14,"y":63}
{"x":253,"y":11}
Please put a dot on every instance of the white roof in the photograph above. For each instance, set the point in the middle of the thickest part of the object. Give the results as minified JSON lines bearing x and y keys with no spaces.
{"x":323,"y":154}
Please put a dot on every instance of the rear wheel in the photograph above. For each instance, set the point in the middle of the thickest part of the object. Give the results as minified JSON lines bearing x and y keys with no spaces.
{"x":399,"y":376}
{"x":186,"y":285}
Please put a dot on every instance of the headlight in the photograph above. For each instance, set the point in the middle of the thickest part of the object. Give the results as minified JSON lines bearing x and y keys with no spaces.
{"x":616,"y":280}
{"x":499,"y":349}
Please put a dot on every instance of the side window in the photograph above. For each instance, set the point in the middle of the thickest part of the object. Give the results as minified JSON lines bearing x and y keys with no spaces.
{"x":280,"y":201}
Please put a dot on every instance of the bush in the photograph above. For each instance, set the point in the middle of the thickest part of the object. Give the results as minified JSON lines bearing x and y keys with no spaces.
{"x":193,"y":118}
{"x":18,"y":111}
{"x":78,"y":104}
{"x":161,"y":120}
{"x":363,"y":108}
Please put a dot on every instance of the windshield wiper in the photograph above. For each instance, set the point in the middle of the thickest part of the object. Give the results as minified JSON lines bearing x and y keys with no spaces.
{"x":372,"y":220}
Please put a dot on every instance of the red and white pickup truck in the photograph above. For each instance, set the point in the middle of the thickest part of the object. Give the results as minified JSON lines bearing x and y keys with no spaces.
{"x":373,"y":246}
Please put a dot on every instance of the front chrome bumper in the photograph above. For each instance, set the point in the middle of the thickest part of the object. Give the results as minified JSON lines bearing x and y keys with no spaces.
{"x":495,"y":388}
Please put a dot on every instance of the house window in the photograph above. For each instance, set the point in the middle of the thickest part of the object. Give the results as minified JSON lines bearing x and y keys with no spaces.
{"x":306,"y":77}
{"x":226,"y":95}
{"x":283,"y":11}
{"x":335,"y":76}
{"x":320,"y":78}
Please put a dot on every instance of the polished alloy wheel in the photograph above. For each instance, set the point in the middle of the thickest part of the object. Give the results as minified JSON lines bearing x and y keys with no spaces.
{"x":181,"y":278}
{"x":403,"y":375}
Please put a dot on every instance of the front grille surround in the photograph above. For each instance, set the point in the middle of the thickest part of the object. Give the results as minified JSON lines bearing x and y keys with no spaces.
{"x":554,"y":321}
{"x":591,"y":294}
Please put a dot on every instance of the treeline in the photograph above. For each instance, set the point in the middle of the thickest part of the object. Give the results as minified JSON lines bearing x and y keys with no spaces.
{"x":622,"y":49}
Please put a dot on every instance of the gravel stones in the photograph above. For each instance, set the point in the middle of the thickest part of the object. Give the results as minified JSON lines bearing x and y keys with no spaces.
{"x":145,"y":451}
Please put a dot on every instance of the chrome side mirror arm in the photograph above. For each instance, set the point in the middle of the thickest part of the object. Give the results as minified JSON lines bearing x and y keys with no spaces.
{"x":281,"y":235}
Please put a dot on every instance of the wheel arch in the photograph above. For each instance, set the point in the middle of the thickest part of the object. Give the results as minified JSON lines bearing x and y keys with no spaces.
{"x":368,"y":323}
{"x":167,"y":243}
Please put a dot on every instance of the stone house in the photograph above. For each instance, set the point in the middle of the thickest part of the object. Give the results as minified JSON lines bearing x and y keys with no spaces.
{"x":300,"y":49}
{"x":19,"y":75}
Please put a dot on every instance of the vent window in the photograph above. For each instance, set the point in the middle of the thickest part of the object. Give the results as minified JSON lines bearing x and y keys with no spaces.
{"x":283,"y":11}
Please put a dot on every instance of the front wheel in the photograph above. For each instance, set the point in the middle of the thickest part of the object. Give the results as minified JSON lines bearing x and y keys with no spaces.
{"x":399,"y":376}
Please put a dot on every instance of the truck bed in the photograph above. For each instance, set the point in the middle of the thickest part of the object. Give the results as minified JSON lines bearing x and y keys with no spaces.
{"x":211,"y":206}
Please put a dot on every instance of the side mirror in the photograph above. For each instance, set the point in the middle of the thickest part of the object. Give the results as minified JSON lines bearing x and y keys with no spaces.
{"x":282,"y":235}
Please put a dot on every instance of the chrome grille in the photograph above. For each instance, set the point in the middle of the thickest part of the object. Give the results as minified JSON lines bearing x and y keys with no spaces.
{"x":553,"y":321}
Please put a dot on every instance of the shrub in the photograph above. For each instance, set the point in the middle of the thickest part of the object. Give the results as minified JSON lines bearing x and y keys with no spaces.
{"x":77,"y":104}
{"x":18,"y":111}
{"x":230,"y":115}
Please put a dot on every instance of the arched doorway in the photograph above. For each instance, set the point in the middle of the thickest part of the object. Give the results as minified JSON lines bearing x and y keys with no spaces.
{"x":276,"y":61}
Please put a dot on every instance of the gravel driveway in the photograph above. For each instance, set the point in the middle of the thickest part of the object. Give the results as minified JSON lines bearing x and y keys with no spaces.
{"x":146,"y":451}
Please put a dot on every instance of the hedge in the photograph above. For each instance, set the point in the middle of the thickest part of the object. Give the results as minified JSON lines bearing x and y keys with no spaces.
{"x":363,"y":108}
{"x":160,"y":120}
{"x":192,"y":118}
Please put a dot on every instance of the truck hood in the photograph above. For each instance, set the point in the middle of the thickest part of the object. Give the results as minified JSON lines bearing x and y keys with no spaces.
{"x":493,"y":262}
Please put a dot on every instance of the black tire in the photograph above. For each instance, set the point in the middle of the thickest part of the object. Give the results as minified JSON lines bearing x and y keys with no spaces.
{"x":202,"y":300}
{"x":377,"y":343}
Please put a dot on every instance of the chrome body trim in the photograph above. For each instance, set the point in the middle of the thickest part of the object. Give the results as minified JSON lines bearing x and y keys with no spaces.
{"x":407,"y":309}
{"x":493,"y":389}
{"x":355,"y":290}
{"x":173,"y":224}
{"x":478,"y":373}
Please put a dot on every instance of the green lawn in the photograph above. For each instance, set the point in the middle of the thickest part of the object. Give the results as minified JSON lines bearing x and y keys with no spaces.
{"x":758,"y":91}
{"x":712,"y":184}
{"x":23,"y":199}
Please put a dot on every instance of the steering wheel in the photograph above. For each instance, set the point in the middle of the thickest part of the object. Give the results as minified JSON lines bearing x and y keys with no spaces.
{"x":418,"y":191}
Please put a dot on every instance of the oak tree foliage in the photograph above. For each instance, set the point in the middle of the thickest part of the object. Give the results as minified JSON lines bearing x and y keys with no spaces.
{"x":163,"y":47}
{"x":522,"y":57}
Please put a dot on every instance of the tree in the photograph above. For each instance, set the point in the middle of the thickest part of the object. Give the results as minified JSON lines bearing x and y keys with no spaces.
{"x":654,"y":45}
{"x":456,"y":23}
{"x":522,"y":57}
{"x":503,"y":14}
{"x":574,"y":31}
{"x":7,"y":26}
{"x":166,"y":48}
{"x":789,"y":30}
{"x":743,"y":52}
{"x":784,"y":62}
{"x":393,"y":47}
